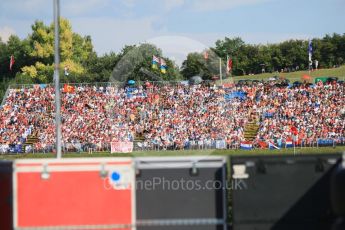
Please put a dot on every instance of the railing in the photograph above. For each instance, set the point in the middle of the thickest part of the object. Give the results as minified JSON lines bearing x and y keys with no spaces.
{"x":257,"y":77}
{"x":137,"y":83}
{"x":97,"y":84}
{"x":152,"y":146}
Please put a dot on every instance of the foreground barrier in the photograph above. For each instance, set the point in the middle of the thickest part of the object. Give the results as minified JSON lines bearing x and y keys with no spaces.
{"x":283,"y":192}
{"x":126,"y":147}
{"x":67,"y":194}
{"x":181,"y":193}
{"x":103,"y":193}
{"x":172,"y":193}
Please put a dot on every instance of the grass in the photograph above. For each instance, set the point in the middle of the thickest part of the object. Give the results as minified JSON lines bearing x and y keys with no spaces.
{"x":296,"y":76}
{"x":290,"y":151}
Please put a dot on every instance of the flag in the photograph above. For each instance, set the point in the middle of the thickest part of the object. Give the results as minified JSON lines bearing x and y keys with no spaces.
{"x":246,"y":145}
{"x":294,"y":131}
{"x":310,"y":50}
{"x":288,"y":143}
{"x":272,"y":145}
{"x":155,"y":61}
{"x":263,"y":144}
{"x":163,"y":69}
{"x":228,"y":65}
{"x":36,"y":86}
{"x":163,"y":65}
{"x":206,"y":55}
{"x":11,"y":62}
{"x":68,"y":88}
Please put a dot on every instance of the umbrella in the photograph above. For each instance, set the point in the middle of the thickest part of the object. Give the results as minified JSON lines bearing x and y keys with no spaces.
{"x":184,"y":82}
{"x":195,"y":80}
{"x":296,"y":83}
{"x":332,"y":79}
{"x":240,"y":82}
{"x":131,"y":82}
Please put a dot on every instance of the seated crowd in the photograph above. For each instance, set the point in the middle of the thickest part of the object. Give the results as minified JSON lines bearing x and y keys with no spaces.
{"x":176,"y":117}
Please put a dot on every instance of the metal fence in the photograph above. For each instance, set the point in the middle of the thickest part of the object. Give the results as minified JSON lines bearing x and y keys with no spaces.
{"x":141,"y":146}
{"x":138,"y":83}
{"x":291,"y":79}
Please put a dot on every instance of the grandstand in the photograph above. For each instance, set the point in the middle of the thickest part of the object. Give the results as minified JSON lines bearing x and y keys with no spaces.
{"x":176,"y":116}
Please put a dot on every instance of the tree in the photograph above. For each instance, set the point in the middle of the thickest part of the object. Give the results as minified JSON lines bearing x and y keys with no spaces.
{"x":196,"y":65}
{"x":231,"y":47}
{"x":135,"y":63}
{"x":74,"y":51}
{"x":100,"y":68}
{"x":328,"y":51}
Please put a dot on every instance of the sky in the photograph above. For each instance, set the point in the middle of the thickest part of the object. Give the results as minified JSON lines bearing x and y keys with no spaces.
{"x":179,"y":26}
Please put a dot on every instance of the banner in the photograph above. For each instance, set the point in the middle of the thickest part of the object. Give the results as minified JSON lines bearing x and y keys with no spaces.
{"x":155,"y":61}
{"x":220,"y":144}
{"x":246,"y":145}
{"x":289,"y":143}
{"x":271,"y":145}
{"x":163,"y":66}
{"x":228,"y":65}
{"x":121,"y":147}
{"x":11,"y":62}
{"x":205,"y":55}
{"x":68,"y":88}
{"x":310,"y":51}
{"x":325,"y":142}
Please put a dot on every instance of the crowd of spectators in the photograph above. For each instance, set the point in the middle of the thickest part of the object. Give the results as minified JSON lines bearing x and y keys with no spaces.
{"x":172,"y":116}
{"x":317,"y":111}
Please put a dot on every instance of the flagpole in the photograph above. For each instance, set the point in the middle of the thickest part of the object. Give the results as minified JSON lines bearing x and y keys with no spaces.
{"x":220,"y":71}
{"x":57,"y":78}
{"x":294,"y":145}
{"x":227,"y":65}
{"x":310,"y":63}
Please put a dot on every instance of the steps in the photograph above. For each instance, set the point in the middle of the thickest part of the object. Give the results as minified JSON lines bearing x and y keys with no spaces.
{"x":251,"y":129}
{"x":30,"y":140}
{"x":139,"y":138}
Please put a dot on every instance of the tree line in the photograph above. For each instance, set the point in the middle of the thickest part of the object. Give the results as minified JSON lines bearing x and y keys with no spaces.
{"x":290,"y":55}
{"x":34,"y":57}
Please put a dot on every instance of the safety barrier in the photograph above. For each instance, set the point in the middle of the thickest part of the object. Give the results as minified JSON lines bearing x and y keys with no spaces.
{"x":189,"y":145}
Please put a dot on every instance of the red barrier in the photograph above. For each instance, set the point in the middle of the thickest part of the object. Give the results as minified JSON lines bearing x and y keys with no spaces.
{"x":73,"y":193}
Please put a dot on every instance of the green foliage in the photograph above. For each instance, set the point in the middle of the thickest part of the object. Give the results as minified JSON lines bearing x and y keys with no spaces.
{"x":289,"y":55}
{"x":135,"y":62}
{"x":197,"y":65}
{"x":74,"y":51}
{"x":100,"y":68}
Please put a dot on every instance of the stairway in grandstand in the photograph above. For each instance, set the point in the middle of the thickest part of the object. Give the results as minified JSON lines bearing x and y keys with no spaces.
{"x":251,"y":129}
{"x":30,"y":140}
{"x":139,"y":137}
